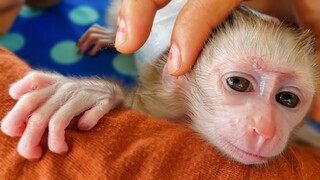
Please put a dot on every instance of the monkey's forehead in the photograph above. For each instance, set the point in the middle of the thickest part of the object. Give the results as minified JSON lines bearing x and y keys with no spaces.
{"x":251,"y":32}
{"x":248,"y":35}
{"x":303,"y":73}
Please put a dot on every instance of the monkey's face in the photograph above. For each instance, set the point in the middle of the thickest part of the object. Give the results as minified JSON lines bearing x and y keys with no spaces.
{"x":249,"y":109}
{"x":252,"y":84}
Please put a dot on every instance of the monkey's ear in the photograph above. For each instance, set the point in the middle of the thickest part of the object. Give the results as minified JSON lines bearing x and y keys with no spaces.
{"x":170,"y":83}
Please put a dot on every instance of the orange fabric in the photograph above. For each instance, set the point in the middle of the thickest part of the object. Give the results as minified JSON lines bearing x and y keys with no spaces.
{"x":129,"y":145}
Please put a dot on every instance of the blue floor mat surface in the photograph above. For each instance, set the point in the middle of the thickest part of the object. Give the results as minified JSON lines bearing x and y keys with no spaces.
{"x":46,"y":39}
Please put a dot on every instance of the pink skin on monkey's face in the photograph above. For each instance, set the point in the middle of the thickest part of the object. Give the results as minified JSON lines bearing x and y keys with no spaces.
{"x":256,"y":108}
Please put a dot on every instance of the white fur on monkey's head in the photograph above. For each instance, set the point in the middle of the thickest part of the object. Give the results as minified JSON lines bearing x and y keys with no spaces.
{"x":251,"y":31}
{"x":261,"y":49}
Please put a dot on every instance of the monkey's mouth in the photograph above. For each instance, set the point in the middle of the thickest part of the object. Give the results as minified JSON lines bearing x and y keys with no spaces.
{"x":246,"y":157}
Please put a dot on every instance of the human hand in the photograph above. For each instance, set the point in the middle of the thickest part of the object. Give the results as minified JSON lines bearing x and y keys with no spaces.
{"x":51,"y":101}
{"x":196,"y":20}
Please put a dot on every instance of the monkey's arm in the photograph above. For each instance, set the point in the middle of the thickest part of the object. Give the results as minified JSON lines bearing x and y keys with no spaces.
{"x":51,"y":101}
{"x":98,"y":37}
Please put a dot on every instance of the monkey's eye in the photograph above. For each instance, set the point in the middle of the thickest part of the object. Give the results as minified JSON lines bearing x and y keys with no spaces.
{"x":238,"y":83}
{"x":287,"y":99}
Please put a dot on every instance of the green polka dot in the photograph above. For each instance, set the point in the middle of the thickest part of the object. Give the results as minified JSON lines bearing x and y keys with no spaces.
{"x":28,"y":12}
{"x":124,"y":64}
{"x":65,"y":52}
{"x":12,"y":41}
{"x":83,"y":15}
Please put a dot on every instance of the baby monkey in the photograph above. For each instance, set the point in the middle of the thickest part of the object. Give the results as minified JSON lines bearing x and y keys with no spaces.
{"x":252,"y":84}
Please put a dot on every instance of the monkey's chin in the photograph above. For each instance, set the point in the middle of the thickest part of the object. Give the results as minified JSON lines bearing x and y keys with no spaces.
{"x":245,"y":157}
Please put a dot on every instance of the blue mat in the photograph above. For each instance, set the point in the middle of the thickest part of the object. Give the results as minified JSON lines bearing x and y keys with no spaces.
{"x":46,"y":39}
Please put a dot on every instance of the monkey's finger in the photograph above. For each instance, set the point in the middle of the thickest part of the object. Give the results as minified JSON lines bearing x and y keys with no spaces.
{"x":33,"y":81}
{"x":193,"y":26}
{"x":135,"y":21}
{"x":91,"y":117}
{"x":94,"y":29}
{"x":62,"y":118}
{"x":91,"y":40}
{"x":14,"y":122}
{"x":86,"y":34}
{"x":28,"y":146}
{"x":99,"y":45}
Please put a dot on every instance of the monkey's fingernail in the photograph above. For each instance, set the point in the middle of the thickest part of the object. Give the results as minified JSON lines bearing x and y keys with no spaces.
{"x":174,"y":59}
{"x":84,"y":126}
{"x":121,"y":33}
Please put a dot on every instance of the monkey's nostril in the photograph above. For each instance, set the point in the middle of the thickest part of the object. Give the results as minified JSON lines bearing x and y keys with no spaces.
{"x":263,"y":135}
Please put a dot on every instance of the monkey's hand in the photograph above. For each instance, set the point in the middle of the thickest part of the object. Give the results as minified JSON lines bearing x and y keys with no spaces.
{"x":98,"y":37}
{"x":46,"y":100}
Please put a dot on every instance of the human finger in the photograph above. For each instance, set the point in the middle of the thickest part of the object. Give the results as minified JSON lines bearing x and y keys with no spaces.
{"x":135,"y":21}
{"x":194,"y":24}
{"x":307,"y":14}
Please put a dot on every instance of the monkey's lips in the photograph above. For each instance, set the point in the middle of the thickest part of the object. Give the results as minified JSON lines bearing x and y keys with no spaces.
{"x":245,"y":157}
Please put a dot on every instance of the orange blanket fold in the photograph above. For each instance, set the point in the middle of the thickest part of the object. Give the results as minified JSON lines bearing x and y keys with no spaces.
{"x":130,"y":145}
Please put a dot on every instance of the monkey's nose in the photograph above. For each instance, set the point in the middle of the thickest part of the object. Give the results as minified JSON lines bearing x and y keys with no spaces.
{"x":263,"y":134}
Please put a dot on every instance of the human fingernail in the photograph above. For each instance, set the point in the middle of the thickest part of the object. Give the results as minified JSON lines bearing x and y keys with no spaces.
{"x":174,"y":59}
{"x":121,"y":33}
